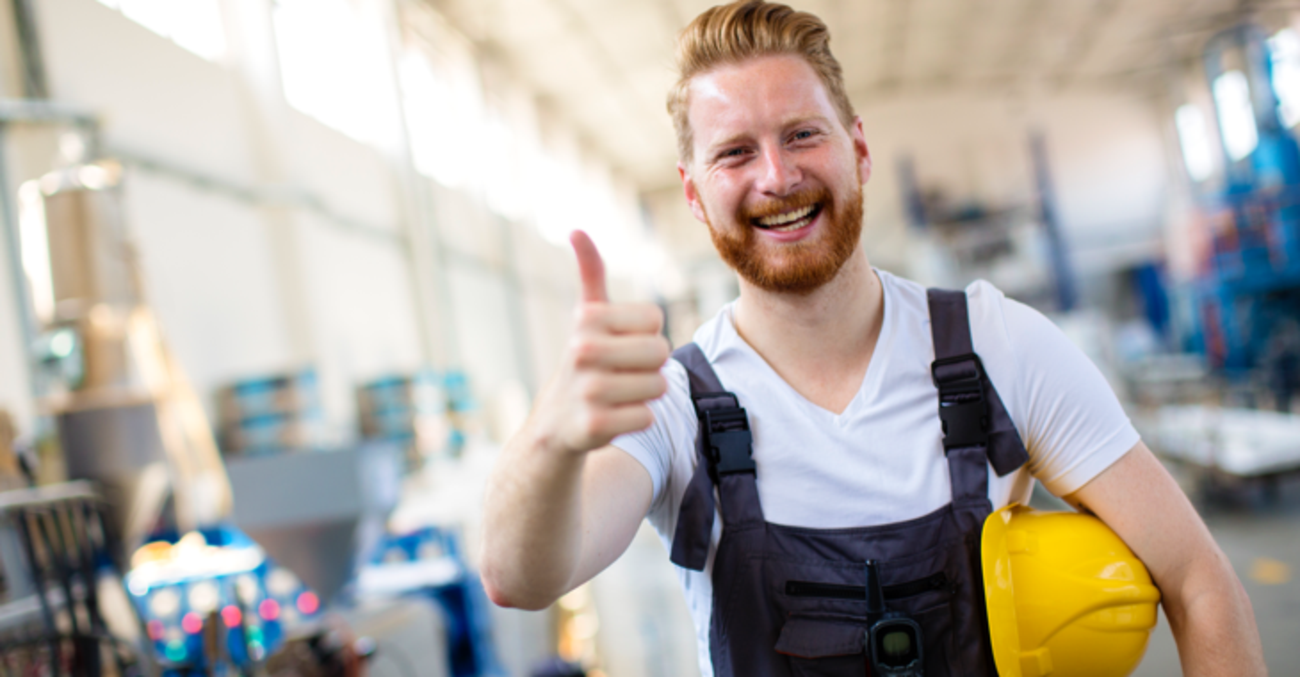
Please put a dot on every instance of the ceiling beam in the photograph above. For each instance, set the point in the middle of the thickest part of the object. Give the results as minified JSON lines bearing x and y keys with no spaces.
{"x":1082,"y":41}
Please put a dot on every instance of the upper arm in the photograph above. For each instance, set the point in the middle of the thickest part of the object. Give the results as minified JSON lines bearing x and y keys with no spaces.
{"x":616,"y":495}
{"x":1138,"y":499}
{"x":1072,"y":424}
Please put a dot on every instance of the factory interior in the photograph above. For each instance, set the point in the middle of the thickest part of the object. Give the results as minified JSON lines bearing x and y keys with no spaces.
{"x":280,"y":278}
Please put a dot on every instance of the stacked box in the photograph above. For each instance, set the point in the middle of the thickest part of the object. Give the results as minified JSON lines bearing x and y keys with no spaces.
{"x":409,"y":409}
{"x":270,"y":414}
{"x":462,"y":410}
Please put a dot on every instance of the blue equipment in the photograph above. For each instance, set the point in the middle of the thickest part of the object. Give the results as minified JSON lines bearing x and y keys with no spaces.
{"x":233,"y":595}
{"x":1251,"y":283}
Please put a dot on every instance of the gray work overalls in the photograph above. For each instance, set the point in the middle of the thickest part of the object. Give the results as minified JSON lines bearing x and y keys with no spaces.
{"x":789,"y":601}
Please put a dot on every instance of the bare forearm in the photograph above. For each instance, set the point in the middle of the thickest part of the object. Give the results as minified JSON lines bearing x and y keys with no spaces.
{"x":532,"y":524}
{"x":535,"y":546}
{"x":1207,"y":608}
{"x":1214,"y":624}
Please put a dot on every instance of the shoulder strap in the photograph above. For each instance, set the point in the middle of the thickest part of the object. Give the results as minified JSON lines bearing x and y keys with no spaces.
{"x":969,"y":407}
{"x":724,"y":448}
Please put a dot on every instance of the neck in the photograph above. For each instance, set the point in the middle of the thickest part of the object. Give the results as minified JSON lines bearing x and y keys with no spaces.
{"x":833,"y":330}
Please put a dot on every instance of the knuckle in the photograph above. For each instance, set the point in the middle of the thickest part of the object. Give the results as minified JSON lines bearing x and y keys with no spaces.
{"x":591,"y":389}
{"x":662,"y":350}
{"x":651,"y":314}
{"x":588,"y":314}
{"x":594,"y":424}
{"x":642,"y":417}
{"x":585,"y":350}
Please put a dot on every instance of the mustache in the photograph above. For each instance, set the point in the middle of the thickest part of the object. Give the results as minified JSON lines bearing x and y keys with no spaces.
{"x":781,"y":205}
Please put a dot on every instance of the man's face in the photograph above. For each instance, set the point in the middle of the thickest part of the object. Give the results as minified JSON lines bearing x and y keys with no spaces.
{"x":774,"y":174}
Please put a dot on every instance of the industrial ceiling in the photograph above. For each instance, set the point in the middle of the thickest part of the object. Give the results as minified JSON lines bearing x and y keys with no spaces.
{"x":605,"y":65}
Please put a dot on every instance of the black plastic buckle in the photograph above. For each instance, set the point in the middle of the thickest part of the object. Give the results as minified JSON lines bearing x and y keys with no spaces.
{"x":963,"y":408}
{"x":729,"y":442}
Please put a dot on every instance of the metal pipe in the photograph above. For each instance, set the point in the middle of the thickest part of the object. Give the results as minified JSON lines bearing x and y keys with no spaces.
{"x":27,"y":325}
{"x":29,"y":47}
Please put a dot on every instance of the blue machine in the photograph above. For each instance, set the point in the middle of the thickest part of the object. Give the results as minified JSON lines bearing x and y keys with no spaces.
{"x":429,"y":564}
{"x":234,"y":594}
{"x":1251,"y":283}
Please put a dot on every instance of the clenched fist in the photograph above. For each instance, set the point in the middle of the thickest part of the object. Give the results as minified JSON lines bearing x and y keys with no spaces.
{"x":610,"y":370}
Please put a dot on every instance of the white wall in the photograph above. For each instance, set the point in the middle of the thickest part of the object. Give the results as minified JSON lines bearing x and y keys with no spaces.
{"x":270,"y":242}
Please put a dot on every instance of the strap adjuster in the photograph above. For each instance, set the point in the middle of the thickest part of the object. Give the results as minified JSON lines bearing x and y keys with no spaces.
{"x":728,"y":441}
{"x":958,"y":375}
{"x":963,"y":408}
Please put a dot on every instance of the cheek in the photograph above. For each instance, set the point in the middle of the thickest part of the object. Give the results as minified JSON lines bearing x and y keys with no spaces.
{"x":721,"y":199}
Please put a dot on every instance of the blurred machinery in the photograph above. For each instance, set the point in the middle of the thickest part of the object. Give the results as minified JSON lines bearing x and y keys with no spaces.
{"x":428,"y":564}
{"x":126,"y":415}
{"x":63,"y":609}
{"x":314,"y":511}
{"x":126,"y":418}
{"x":1246,"y":300}
{"x":212,"y":597}
{"x":1018,"y":247}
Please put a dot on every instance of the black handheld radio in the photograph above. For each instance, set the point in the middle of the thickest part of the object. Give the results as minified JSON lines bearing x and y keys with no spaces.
{"x":893,"y":639}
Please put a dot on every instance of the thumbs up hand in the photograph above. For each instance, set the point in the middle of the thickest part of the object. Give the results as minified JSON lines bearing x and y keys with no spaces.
{"x":610,"y":370}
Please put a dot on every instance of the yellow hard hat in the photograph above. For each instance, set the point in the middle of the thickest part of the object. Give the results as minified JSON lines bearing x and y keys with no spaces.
{"x":1065,"y":596}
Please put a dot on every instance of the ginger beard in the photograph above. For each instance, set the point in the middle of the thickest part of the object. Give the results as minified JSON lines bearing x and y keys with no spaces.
{"x":797,"y":267}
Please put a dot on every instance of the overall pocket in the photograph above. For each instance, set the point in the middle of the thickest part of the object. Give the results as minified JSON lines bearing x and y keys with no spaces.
{"x":830,"y":643}
{"x":824,"y":647}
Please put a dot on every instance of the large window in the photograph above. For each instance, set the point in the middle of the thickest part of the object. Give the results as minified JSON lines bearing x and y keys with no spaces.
{"x":334,"y":65}
{"x":1236,"y":114}
{"x":193,"y":24}
{"x":1194,"y":138}
{"x":490,"y":144}
{"x":1284,"y":52}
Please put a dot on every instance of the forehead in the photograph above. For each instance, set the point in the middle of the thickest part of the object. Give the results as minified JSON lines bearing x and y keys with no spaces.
{"x":749,"y":96}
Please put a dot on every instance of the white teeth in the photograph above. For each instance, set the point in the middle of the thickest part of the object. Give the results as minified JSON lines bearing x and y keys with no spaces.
{"x":788,"y":217}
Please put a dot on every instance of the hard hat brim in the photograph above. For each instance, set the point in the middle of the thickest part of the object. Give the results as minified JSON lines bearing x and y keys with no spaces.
{"x":999,"y":591}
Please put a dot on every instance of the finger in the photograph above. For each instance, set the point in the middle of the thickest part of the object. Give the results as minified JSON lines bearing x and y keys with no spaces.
{"x":622,"y":318}
{"x":621,"y":353}
{"x":591,"y":269}
{"x":627,"y":388}
{"x":629,"y":418}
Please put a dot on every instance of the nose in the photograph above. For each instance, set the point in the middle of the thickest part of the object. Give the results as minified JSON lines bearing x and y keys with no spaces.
{"x":779,"y":173}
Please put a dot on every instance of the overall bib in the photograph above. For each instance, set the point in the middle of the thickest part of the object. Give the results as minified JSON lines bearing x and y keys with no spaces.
{"x":791,"y":601}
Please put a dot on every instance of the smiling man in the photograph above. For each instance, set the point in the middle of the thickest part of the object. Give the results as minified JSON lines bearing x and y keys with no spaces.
{"x":828,"y":448}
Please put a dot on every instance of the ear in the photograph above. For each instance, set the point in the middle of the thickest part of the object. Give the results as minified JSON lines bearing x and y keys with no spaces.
{"x":692,"y":195}
{"x":860,"y":150}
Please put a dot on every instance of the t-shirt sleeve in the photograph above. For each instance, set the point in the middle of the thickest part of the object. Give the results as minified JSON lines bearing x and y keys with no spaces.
{"x":1074,"y":425}
{"x":654,"y":446}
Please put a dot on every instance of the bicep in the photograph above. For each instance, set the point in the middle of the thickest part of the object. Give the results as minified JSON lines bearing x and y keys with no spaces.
{"x":1138,"y":499}
{"x":1073,"y":424}
{"x":616,"y":495}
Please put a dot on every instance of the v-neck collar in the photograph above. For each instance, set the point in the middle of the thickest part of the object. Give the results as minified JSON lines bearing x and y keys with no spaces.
{"x":870,"y":380}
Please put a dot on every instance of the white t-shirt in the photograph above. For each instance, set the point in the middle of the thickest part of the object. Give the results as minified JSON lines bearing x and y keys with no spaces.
{"x":882,"y":459}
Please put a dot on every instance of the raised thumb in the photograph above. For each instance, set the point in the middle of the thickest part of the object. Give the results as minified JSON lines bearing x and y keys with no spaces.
{"x":591,"y":268}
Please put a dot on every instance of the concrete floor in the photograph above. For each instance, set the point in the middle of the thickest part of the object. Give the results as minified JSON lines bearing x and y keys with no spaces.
{"x":1261,"y":537}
